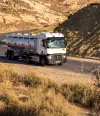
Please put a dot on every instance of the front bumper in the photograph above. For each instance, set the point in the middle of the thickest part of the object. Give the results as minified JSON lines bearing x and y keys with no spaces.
{"x":56,"y":59}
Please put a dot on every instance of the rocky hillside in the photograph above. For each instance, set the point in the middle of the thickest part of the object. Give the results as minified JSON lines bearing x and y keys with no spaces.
{"x":26,"y":14}
{"x":82,"y":30}
{"x":79,"y":20}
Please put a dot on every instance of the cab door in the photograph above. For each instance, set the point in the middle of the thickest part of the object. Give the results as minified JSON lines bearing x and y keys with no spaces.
{"x":42,"y":46}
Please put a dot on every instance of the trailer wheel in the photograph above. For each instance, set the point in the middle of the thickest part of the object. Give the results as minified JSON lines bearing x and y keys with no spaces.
{"x":13,"y":57}
{"x":16,"y":57}
{"x":6,"y":54}
{"x":9,"y":55}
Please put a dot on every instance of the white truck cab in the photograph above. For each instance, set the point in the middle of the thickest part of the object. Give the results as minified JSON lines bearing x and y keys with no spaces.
{"x":53,"y":47}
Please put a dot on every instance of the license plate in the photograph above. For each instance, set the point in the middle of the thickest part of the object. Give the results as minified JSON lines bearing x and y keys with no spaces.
{"x":57,"y":61}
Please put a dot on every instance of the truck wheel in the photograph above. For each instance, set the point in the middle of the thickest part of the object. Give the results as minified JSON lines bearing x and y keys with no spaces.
{"x":42,"y":61}
{"x":16,"y":57}
{"x":28,"y":60}
{"x":9,"y":55}
{"x":12,"y":55}
{"x":60,"y":64}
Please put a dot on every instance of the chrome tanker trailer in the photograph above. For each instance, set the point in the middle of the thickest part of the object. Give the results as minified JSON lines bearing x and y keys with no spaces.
{"x":45,"y":48}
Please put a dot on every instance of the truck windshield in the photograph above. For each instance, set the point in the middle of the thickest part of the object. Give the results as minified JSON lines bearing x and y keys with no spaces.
{"x":56,"y":42}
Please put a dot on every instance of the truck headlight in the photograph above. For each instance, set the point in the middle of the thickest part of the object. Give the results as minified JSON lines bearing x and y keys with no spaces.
{"x":64,"y":56}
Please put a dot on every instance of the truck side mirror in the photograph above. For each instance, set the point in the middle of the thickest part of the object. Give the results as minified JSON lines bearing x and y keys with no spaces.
{"x":65,"y":42}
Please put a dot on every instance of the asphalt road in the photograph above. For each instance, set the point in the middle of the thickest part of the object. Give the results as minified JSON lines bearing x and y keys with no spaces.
{"x":72,"y":66}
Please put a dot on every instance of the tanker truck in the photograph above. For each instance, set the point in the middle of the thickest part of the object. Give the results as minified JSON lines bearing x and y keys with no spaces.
{"x":45,"y":48}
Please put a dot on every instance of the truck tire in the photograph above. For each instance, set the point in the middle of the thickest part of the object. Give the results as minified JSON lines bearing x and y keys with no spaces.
{"x":13,"y":57}
{"x":60,"y":63}
{"x":42,"y":61}
{"x":28,"y":59}
{"x":9,"y":55}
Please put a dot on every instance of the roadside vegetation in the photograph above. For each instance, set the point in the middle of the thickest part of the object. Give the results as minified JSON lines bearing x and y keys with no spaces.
{"x":96,"y":71}
{"x":32,"y":95}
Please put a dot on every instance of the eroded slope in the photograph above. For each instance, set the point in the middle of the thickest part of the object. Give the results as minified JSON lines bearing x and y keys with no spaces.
{"x":82,"y":31}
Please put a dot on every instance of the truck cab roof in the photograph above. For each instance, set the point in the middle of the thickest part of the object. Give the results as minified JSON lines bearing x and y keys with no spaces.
{"x":45,"y":35}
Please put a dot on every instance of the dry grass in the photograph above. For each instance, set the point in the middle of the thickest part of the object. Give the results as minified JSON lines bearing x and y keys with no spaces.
{"x":34,"y":95}
{"x":31,"y":95}
{"x":26,"y":14}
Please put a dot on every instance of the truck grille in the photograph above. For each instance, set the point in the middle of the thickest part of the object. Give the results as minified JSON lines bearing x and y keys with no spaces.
{"x":57,"y":57}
